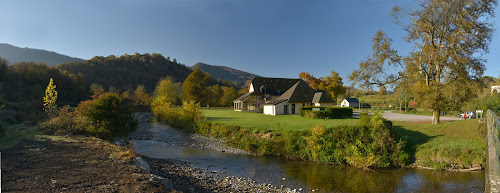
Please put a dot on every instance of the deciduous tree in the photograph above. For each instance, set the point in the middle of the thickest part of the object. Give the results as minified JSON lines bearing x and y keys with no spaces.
{"x":50,"y":99}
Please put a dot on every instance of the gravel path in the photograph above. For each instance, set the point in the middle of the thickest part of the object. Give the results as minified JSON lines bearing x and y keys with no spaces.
{"x":406,"y":117}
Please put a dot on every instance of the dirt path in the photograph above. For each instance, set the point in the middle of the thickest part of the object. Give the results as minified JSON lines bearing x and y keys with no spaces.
{"x":69,"y":165}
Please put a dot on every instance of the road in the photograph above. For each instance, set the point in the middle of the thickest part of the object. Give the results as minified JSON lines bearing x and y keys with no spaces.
{"x":406,"y":117}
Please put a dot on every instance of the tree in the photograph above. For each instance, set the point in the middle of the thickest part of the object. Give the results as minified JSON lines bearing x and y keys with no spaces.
{"x":50,"y":99}
{"x":195,"y":87}
{"x":215,"y":93}
{"x":167,"y":92}
{"x":141,"y":96}
{"x":311,"y":80}
{"x":230,"y":94}
{"x":449,"y":38}
{"x":332,"y":85}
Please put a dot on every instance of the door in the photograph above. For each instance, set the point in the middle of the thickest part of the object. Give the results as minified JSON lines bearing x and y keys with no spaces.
{"x":285,"y":110}
{"x":293,"y":109}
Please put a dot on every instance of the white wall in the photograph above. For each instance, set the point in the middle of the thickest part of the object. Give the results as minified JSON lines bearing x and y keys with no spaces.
{"x":269,"y":110}
{"x":251,"y":88}
{"x":344,"y":103}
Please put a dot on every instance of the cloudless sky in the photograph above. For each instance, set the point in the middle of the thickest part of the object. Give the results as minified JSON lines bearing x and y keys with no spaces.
{"x":274,"y":38}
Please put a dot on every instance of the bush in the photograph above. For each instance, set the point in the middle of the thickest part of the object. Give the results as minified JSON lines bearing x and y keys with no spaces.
{"x":185,"y":117}
{"x":107,"y":116}
{"x":326,"y":112}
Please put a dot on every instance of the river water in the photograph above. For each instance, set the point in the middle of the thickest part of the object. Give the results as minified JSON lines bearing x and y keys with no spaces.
{"x":309,"y":175}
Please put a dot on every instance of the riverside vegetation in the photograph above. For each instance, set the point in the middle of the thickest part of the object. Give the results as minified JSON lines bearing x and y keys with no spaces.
{"x":368,"y":144}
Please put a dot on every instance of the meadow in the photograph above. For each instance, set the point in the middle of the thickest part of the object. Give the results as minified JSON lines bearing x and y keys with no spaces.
{"x":268,"y":122}
{"x":453,"y":142}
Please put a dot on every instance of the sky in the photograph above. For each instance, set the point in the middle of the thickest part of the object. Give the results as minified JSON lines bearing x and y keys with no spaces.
{"x":272,"y":38}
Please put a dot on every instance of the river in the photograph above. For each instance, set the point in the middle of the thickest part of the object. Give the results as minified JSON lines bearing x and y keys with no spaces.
{"x":309,"y":175}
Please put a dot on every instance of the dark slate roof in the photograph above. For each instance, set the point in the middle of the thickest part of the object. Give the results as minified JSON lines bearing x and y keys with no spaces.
{"x":243,"y":96}
{"x":300,"y":92}
{"x":272,"y":86}
{"x":321,"y":97}
{"x":352,"y":100}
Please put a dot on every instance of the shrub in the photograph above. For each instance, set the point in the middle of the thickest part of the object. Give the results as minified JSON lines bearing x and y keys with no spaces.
{"x":107,"y":116}
{"x":326,"y":112}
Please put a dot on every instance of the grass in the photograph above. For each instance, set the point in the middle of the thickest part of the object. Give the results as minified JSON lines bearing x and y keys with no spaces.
{"x":280,"y":122}
{"x":460,"y":143}
{"x":13,"y":134}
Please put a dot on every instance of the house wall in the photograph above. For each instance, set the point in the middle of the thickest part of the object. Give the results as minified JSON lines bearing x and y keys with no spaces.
{"x":279,"y":108}
{"x":344,"y":103}
{"x":269,"y":110}
{"x":250,"y":89}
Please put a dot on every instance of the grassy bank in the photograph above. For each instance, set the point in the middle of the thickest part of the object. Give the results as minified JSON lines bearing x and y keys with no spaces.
{"x":268,"y":122}
{"x":368,"y":142}
{"x":454,"y":144}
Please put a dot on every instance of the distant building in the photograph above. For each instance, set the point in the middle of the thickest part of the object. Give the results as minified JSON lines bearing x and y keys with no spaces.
{"x":279,"y":96}
{"x":495,"y":88}
{"x":350,"y":102}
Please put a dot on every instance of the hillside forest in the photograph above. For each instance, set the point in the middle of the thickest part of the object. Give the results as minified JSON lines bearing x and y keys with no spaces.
{"x":137,"y":77}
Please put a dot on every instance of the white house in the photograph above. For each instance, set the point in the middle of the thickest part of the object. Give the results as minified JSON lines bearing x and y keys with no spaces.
{"x":349,"y":102}
{"x":495,"y":88}
{"x":279,"y":96}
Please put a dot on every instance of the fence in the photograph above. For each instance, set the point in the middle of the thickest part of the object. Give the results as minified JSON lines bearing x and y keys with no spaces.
{"x":492,"y":155}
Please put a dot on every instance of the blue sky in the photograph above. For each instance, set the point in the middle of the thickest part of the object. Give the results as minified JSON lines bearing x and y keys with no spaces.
{"x":275,"y":38}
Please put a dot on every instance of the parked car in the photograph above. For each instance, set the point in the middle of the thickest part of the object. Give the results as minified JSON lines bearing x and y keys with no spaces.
{"x":469,"y":114}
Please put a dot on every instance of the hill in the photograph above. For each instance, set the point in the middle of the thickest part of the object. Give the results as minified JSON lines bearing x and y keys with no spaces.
{"x":238,"y":77}
{"x":15,"y":54}
{"x":127,"y":71}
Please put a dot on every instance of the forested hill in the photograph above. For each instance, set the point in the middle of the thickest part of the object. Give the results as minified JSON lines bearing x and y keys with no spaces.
{"x":238,"y":77}
{"x":15,"y":54}
{"x":128,"y":71}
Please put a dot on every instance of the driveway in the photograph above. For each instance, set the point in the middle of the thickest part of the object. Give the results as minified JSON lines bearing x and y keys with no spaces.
{"x":406,"y":117}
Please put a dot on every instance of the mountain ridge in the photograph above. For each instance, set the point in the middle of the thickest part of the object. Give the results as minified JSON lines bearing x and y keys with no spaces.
{"x":14,"y":54}
{"x":236,"y":76}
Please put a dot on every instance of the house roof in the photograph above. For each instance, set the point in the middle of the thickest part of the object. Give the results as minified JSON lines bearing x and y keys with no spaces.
{"x":242,"y":97}
{"x":272,"y":86}
{"x":299,"y":92}
{"x":321,"y":97}
{"x":352,"y":100}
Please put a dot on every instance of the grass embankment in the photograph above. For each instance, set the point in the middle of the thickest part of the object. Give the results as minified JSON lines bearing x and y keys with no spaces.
{"x":268,"y":122}
{"x":454,"y":144}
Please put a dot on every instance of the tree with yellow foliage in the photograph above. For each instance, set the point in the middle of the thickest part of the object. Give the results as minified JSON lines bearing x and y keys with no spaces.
{"x":50,"y":98}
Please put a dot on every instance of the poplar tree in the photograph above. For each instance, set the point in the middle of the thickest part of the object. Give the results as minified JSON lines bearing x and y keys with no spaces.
{"x":50,"y":98}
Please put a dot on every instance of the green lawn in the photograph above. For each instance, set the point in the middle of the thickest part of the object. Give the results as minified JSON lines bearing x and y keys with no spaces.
{"x":282,"y":122}
{"x":458,"y":142}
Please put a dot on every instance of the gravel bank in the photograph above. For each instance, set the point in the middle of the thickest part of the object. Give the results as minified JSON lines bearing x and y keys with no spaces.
{"x":186,"y":178}
{"x":181,"y":176}
{"x":147,"y":130}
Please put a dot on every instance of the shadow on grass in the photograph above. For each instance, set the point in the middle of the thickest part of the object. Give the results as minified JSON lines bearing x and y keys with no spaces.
{"x":414,"y":139}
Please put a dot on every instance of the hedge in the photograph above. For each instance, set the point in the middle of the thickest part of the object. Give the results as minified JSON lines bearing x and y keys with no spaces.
{"x":326,"y":112}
